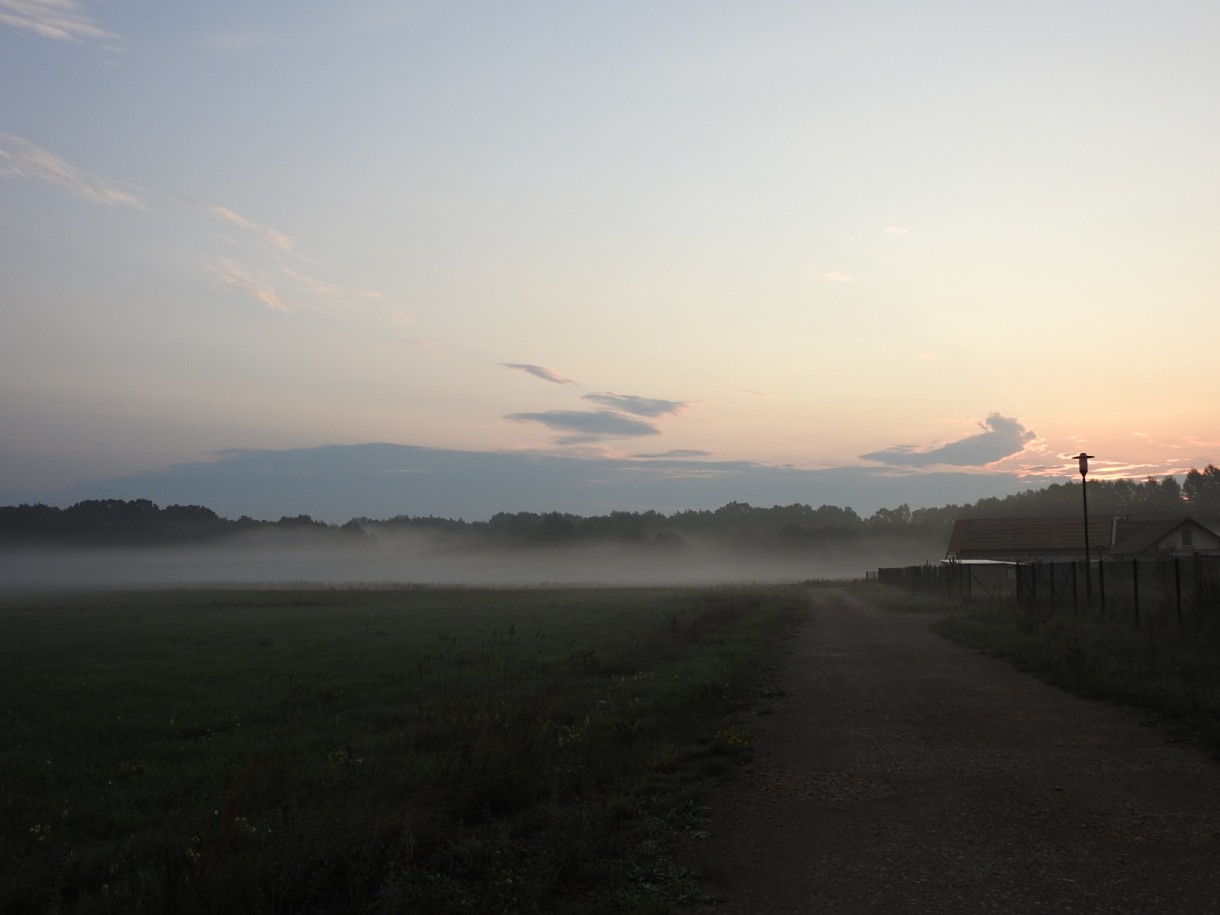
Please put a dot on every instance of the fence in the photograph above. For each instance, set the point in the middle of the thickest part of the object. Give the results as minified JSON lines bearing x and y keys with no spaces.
{"x":962,"y":580}
{"x":1176,"y":592}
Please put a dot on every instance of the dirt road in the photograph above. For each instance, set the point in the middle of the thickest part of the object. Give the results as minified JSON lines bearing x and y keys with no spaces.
{"x":903,"y":773}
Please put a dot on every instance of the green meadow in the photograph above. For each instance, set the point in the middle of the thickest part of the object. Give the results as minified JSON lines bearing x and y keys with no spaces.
{"x":369,"y":750}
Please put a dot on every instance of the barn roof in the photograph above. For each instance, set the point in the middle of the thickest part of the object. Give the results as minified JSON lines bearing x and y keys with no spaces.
{"x":1032,"y":538}
{"x":995,"y":537}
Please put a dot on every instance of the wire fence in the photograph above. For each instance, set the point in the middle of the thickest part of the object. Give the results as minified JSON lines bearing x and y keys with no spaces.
{"x":1177,"y":592}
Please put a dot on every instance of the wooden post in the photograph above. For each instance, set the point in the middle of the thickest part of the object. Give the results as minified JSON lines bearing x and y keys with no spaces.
{"x":1075,"y":591}
{"x":1135,"y":589}
{"x":1177,"y":584}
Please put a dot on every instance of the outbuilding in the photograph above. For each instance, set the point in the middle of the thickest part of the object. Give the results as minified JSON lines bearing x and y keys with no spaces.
{"x":1063,"y":539}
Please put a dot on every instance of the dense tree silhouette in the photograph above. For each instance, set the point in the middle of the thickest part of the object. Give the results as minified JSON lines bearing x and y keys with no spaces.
{"x":1201,"y":490}
{"x":139,"y":522}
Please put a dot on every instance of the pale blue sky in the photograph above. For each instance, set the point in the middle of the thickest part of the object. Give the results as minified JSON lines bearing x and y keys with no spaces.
{"x":781,"y":233}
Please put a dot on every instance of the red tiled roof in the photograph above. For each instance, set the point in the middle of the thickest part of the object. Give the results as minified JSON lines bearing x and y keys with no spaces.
{"x":974,"y":538}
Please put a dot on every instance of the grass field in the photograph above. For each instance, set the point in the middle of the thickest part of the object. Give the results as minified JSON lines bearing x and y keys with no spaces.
{"x":1174,"y":673}
{"x":368,"y":750}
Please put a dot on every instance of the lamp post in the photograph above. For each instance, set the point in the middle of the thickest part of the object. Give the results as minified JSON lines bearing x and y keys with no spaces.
{"x":1084,"y":495}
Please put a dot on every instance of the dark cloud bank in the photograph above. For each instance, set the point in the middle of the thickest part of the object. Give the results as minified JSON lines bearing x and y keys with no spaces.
{"x":539,"y":371}
{"x":587,"y":425}
{"x":1001,"y":438}
{"x":617,"y":418}
{"x":340,"y":482}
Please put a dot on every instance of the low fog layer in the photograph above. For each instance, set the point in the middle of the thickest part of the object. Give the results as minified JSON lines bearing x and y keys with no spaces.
{"x":416,"y":560}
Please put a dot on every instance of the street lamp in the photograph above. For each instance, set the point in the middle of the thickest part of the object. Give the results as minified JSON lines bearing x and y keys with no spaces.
{"x":1084,"y":495}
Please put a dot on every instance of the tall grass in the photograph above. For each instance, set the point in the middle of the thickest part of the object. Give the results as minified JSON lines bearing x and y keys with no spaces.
{"x":1169,"y":670}
{"x":384,"y":751}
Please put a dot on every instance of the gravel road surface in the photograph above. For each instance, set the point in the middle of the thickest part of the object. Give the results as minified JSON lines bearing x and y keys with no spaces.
{"x":900,"y":772}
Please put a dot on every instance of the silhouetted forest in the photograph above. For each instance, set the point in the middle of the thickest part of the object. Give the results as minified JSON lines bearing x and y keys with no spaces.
{"x":139,"y":522}
{"x":114,"y":522}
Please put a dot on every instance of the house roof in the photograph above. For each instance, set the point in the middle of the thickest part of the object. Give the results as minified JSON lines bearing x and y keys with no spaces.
{"x":995,"y":537}
{"x":1006,"y":538}
{"x":1136,"y":537}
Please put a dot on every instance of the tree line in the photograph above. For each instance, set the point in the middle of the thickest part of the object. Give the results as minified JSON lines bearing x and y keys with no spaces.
{"x":140,"y":522}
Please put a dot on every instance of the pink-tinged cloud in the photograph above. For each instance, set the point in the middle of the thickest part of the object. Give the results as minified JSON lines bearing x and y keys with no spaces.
{"x":19,"y":158}
{"x":59,"y":20}
{"x":313,"y":284}
{"x":675,"y":453}
{"x":272,"y":237}
{"x":897,"y":230}
{"x":278,"y":284}
{"x":539,"y":371}
{"x":229,"y":273}
{"x":335,"y":299}
{"x":282,"y":285}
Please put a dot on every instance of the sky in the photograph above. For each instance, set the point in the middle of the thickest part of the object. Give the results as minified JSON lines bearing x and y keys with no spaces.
{"x":878,"y":241}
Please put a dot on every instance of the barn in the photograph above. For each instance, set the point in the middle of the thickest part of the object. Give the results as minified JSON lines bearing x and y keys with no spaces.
{"x":1063,"y":539}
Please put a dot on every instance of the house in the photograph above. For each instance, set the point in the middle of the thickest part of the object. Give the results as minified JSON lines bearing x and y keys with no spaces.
{"x":1063,"y":539}
{"x":1182,"y":537}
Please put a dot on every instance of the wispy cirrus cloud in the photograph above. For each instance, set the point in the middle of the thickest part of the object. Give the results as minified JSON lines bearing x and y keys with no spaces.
{"x":1194,"y":441}
{"x":60,"y":20}
{"x":539,"y":371}
{"x":272,"y":272}
{"x":638,"y":406}
{"x":1001,"y":438}
{"x":272,"y":237}
{"x":580,"y":426}
{"x":259,"y":261}
{"x":230,"y":273}
{"x":897,"y":230}
{"x":19,"y":158}
{"x":284,"y":288}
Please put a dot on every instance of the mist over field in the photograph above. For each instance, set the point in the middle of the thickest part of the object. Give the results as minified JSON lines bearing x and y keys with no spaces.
{"x":408,"y":558}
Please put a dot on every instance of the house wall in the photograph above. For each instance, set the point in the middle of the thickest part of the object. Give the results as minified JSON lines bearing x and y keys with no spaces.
{"x":1201,"y":541}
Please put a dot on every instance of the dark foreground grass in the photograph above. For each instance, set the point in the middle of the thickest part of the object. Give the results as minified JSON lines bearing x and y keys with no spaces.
{"x":1173,"y":672}
{"x":371,"y":751}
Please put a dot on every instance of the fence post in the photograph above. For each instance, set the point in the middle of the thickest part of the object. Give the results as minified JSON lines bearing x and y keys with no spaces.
{"x":1196,"y":591}
{"x":1177,"y":586}
{"x":1075,"y":591}
{"x":1135,"y":589}
{"x":1101,"y":585}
